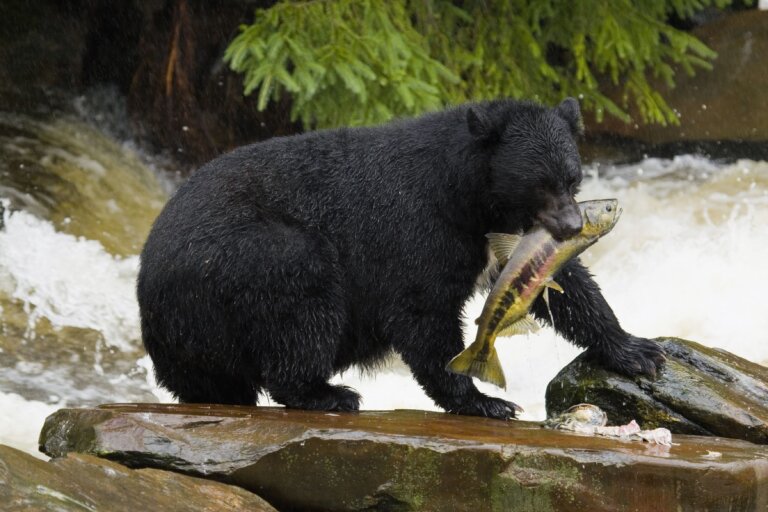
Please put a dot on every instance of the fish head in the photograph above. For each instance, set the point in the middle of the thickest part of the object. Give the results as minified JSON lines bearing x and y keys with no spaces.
{"x":599,"y":216}
{"x":579,"y":415}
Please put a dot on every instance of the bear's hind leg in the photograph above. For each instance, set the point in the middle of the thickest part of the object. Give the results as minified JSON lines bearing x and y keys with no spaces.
{"x":302,"y":350}
{"x":207,"y":387}
{"x":301,"y":332}
{"x":317,"y":395}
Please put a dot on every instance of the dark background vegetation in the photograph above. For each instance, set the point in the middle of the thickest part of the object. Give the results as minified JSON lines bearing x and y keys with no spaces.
{"x":166,"y":58}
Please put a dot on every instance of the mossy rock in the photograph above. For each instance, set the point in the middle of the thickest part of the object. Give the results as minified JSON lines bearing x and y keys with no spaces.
{"x":700,"y":390}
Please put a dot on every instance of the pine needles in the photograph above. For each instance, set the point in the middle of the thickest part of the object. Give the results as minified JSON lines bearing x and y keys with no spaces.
{"x":355,"y":62}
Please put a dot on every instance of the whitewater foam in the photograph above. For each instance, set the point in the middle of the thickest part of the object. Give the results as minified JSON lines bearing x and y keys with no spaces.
{"x":685,"y":260}
{"x":68,"y":280}
{"x":22,"y":420}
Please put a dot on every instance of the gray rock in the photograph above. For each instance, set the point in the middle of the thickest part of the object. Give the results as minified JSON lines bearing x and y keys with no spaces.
{"x":412,"y":460}
{"x":82,"y":482}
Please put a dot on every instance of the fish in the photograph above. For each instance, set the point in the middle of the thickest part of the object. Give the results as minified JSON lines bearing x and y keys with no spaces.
{"x":578,"y":418}
{"x":529,"y":262}
{"x":590,"y":419}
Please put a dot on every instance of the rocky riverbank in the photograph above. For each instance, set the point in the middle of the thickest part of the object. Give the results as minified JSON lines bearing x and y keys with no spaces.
{"x":413,"y":460}
{"x":83,"y":482}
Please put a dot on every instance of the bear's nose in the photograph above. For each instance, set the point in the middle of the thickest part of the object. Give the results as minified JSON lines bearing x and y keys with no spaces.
{"x":563,"y":223}
{"x":570,"y":223}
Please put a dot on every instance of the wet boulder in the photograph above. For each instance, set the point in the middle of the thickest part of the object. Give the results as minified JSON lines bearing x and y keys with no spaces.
{"x":700,"y":390}
{"x":414,"y":460}
{"x":85,"y":482}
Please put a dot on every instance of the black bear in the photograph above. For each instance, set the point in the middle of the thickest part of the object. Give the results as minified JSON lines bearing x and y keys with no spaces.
{"x":283,"y":262}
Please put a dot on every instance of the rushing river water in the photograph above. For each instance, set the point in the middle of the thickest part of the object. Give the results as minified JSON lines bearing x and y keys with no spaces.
{"x":686,"y":260}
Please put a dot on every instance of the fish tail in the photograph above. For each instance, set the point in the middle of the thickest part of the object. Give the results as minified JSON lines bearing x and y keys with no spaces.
{"x":467,"y":363}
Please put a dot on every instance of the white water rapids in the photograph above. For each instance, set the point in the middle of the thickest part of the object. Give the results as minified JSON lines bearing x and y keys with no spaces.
{"x":686,"y":259}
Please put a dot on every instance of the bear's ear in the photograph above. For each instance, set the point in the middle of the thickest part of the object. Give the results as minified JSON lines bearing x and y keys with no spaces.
{"x":480,"y":125}
{"x":569,"y":110}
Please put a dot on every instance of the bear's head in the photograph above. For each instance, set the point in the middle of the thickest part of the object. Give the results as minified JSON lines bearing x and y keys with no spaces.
{"x":534,"y":165}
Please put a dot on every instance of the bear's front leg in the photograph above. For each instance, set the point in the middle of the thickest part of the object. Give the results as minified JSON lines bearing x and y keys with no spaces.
{"x":427,"y":347}
{"x":582,"y":316}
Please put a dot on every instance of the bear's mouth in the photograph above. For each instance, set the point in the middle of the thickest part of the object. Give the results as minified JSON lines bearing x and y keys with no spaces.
{"x":563,"y":224}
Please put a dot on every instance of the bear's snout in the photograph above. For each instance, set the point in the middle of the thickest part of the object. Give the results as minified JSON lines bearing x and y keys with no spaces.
{"x":563,"y":218}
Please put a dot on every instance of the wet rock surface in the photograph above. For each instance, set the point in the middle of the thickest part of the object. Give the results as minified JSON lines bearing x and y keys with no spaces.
{"x":700,"y":390}
{"x":84,"y":482}
{"x":413,"y":460}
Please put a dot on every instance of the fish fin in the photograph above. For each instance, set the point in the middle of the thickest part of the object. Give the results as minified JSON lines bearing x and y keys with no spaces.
{"x":545,"y":296}
{"x":551,"y":283}
{"x":466,"y":363}
{"x":503,"y":245}
{"x":460,"y":363}
{"x":525,"y":325}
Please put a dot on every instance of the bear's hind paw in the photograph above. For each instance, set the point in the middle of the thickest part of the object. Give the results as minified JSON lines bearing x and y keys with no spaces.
{"x":320,"y":397}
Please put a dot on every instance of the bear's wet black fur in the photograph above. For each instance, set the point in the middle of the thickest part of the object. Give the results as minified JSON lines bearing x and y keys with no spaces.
{"x":283,"y":262}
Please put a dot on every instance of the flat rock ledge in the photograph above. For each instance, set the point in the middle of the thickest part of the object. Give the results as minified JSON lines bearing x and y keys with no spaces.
{"x":81,"y":482}
{"x":700,"y":390}
{"x":414,"y":460}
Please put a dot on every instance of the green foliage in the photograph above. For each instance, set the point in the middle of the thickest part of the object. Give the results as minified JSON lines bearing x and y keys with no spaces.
{"x":354,"y":62}
{"x":344,"y":62}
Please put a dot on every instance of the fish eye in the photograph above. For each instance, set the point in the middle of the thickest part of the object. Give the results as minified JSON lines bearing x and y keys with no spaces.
{"x":609,"y":208}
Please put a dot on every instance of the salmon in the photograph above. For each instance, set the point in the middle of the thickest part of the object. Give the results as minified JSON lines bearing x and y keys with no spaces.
{"x":528,"y":262}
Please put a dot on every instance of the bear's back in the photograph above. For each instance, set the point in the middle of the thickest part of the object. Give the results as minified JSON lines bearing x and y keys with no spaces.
{"x":326,"y":179}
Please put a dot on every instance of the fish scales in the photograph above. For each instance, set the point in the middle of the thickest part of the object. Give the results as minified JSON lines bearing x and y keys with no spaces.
{"x":536,"y":267}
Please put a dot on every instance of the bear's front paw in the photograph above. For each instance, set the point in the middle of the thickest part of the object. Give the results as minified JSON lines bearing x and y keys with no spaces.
{"x":488,"y":406}
{"x":635,"y":356}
